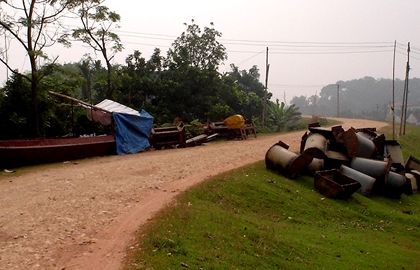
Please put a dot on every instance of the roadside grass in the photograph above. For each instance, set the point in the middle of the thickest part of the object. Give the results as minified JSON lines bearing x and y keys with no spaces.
{"x":253,"y":218}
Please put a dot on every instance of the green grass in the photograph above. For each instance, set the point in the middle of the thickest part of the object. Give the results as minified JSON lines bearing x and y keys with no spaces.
{"x":253,"y":218}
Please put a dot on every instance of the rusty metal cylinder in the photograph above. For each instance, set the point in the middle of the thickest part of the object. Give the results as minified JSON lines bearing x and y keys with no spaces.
{"x":315,"y":145}
{"x":365,"y":180}
{"x":288,"y":163}
{"x":396,"y":185}
{"x":316,"y":165}
{"x":359,"y":146}
{"x":374,"y":168}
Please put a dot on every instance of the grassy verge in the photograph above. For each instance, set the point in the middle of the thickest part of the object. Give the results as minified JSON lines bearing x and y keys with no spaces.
{"x":252,"y":218}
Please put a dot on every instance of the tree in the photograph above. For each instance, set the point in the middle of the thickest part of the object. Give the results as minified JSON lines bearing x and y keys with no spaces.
{"x":282,"y":117}
{"x":197,"y":49}
{"x":140,"y":78}
{"x":249,"y":89}
{"x":98,"y":24}
{"x":55,"y":119}
{"x":249,"y":81}
{"x":35,"y":25}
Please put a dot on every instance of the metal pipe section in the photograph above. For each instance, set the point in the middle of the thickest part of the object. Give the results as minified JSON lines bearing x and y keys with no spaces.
{"x":365,"y":180}
{"x":315,"y":145}
{"x":278,"y":158}
{"x":375,"y":168}
{"x":316,"y":165}
{"x":396,"y":185}
{"x":357,"y":145}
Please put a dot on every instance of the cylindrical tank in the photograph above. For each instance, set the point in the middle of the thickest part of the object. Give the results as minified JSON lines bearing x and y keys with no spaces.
{"x":378,"y":169}
{"x":315,"y":145}
{"x":395,"y":185}
{"x":358,"y":146}
{"x":365,"y":180}
{"x":288,"y":163}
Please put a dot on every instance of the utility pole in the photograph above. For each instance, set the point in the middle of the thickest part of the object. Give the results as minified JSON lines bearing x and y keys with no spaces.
{"x":267,"y":66}
{"x":338,"y":100}
{"x":405,"y":94}
{"x":314,"y":103}
{"x":393,"y":93}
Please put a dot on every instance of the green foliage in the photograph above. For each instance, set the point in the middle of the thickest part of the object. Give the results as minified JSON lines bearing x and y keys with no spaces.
{"x":15,"y":109}
{"x":282,"y":117}
{"x":194,"y":128}
{"x":186,"y":84}
{"x":197,"y":48}
{"x":98,"y":24}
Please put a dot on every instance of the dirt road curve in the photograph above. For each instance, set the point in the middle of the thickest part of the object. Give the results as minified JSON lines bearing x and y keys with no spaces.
{"x":83,"y":215}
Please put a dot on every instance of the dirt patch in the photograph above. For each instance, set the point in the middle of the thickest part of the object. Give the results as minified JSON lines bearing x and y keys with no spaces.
{"x":82,"y":215}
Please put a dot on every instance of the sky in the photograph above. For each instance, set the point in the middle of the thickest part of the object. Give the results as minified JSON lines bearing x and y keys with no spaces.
{"x":311,"y":43}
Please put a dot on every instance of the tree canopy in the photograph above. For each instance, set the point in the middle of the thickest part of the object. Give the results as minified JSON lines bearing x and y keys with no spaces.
{"x":184,"y":85}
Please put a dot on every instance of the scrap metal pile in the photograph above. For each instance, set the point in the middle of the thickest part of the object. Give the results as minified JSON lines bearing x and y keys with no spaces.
{"x":344,"y":162}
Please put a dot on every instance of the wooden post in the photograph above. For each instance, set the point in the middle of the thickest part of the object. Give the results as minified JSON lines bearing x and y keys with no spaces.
{"x":338,"y":100}
{"x":405,"y":94}
{"x":264,"y":113}
{"x":393,"y":93}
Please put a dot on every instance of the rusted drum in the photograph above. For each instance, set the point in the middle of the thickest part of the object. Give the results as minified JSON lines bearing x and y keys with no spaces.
{"x":317,"y":164}
{"x":396,"y":185}
{"x":278,"y":158}
{"x":375,"y":168}
{"x":365,"y":180}
{"x":335,"y":159}
{"x":358,"y":146}
{"x":315,"y":145}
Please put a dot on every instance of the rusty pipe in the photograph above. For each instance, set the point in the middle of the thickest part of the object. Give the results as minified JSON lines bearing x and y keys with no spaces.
{"x":278,"y":158}
{"x":365,"y":180}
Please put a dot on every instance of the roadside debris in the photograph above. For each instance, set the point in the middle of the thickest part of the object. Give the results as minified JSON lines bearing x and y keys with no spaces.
{"x":235,"y":127}
{"x":343,"y":162}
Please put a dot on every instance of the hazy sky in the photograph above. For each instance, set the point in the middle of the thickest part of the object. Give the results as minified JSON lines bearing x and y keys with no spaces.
{"x":311,"y":43}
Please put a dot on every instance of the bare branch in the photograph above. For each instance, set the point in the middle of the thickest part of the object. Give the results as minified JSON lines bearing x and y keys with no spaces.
{"x":14,"y":71}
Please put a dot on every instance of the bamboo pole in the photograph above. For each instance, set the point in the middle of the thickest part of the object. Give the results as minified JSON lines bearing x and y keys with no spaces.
{"x":79,"y":101}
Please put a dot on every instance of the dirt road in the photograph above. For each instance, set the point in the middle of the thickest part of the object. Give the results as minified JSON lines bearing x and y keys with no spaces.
{"x":82,"y":215}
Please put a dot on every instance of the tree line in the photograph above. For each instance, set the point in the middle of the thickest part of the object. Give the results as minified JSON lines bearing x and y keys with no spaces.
{"x":185,"y":83}
{"x":361,"y":98}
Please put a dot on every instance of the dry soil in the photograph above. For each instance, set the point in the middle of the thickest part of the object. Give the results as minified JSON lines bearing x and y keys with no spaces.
{"x":83,"y":214}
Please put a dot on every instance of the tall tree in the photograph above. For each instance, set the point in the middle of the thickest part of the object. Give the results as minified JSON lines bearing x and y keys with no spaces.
{"x":34,"y":25}
{"x":98,"y":24}
{"x":197,"y":48}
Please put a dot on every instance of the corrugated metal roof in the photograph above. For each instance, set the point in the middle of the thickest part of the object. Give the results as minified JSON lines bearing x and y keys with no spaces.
{"x":113,"y":106}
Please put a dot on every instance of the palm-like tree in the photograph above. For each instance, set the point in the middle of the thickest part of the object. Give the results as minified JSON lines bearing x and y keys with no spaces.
{"x":282,"y":117}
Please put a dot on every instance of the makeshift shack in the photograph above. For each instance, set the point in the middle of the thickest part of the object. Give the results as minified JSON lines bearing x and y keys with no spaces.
{"x":133,"y":128}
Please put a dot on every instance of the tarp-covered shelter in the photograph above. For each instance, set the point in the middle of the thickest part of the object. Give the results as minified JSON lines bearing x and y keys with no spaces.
{"x":133,"y":132}
{"x":133,"y":128}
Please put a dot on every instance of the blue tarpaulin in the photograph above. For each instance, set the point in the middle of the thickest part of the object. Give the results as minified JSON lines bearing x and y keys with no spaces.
{"x":133,"y":132}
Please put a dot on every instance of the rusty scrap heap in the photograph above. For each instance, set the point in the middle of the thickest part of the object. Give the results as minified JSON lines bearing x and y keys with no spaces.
{"x":344,"y":162}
